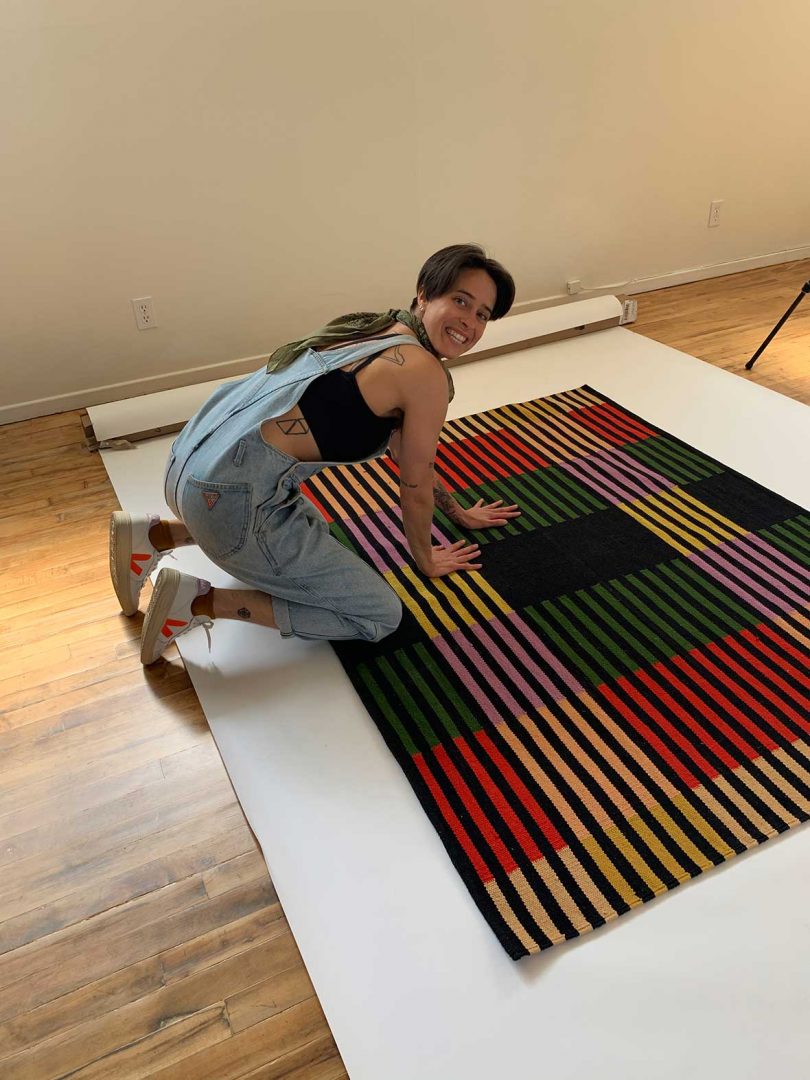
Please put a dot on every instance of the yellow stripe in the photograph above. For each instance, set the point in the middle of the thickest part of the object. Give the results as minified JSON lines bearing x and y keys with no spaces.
{"x":703,"y":827}
{"x":658,"y":532}
{"x":711,"y":532}
{"x":484,"y":585}
{"x":455,"y":603}
{"x":608,"y":868}
{"x":726,"y":522}
{"x":475,"y":600}
{"x":426,"y":594}
{"x":657,"y":848}
{"x":410,"y":603}
{"x":667,"y":519}
{"x":680,"y":838}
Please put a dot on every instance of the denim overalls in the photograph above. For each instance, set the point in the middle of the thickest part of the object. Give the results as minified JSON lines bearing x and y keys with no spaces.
{"x":240,"y":500}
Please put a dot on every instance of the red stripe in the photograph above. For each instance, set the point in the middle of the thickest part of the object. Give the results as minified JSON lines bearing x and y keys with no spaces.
{"x":510,"y":436}
{"x":635,"y":425}
{"x":307,"y":490}
{"x":519,"y":788}
{"x":771,"y":674}
{"x":596,"y":426}
{"x":760,"y":686}
{"x":496,"y":448}
{"x":722,"y":700}
{"x":514,"y":823}
{"x":782,"y":642}
{"x":460,"y":833}
{"x":443,"y":451}
{"x":649,"y":734}
{"x":472,"y":807}
{"x":701,"y":709}
{"x":743,"y":694}
{"x":480,"y":450}
{"x":784,"y":666}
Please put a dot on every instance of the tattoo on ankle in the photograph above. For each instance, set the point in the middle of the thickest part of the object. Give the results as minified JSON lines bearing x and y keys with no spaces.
{"x":243,"y":613}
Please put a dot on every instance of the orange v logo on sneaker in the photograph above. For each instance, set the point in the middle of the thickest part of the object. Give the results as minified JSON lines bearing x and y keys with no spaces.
{"x":134,"y":560}
{"x":167,"y":629}
{"x":211,"y":498}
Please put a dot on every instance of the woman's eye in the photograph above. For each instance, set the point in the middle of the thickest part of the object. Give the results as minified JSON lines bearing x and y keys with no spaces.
{"x":461,"y":300}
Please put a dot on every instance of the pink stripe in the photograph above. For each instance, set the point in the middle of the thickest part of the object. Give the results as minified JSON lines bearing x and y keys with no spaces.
{"x":732,"y":586}
{"x":371,"y":551}
{"x":790,"y":573}
{"x":492,"y":712}
{"x":507,"y":666}
{"x":770,"y":590}
{"x":543,"y":652}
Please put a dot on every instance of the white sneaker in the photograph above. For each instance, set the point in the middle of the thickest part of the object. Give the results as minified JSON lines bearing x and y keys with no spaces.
{"x":169,"y":614}
{"x":133,"y":556}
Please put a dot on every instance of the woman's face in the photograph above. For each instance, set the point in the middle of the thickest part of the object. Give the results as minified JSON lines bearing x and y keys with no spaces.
{"x":456,"y":320}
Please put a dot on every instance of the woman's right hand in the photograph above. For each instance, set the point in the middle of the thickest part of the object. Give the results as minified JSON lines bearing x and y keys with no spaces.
{"x":447,"y":560}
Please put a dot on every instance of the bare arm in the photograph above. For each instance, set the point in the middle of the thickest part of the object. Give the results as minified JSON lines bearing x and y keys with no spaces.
{"x":441,"y":496}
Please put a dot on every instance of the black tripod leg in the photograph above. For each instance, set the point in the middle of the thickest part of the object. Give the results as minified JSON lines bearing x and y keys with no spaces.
{"x":805,"y":289}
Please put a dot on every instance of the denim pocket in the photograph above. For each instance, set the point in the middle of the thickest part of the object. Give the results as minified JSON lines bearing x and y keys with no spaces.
{"x":217,"y":515}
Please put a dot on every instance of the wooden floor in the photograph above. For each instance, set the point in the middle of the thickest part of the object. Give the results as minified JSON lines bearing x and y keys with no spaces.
{"x":140,"y":934}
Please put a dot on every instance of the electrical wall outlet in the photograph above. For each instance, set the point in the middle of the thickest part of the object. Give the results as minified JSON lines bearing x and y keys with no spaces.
{"x":714,"y":213}
{"x":144,"y":313}
{"x":574,"y":286}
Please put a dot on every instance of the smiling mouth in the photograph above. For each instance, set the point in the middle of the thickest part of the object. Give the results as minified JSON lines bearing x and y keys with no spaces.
{"x":454,"y":335}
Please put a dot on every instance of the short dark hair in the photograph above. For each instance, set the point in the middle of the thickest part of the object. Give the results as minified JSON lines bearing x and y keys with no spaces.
{"x":439,"y":274}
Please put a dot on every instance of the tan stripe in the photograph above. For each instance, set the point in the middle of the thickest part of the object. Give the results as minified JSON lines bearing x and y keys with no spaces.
{"x":505,"y":911}
{"x":719,"y":811}
{"x":346,"y":495}
{"x":544,"y":781}
{"x":698,"y":822}
{"x":565,"y":900}
{"x":636,"y":860}
{"x":385,"y":477}
{"x":681,"y":839}
{"x":386,"y":499}
{"x":581,"y":393}
{"x":594,"y":767}
{"x":636,"y":750}
{"x":587,"y":884}
{"x":563,"y":444}
{"x":789,"y":628}
{"x":797,"y":769}
{"x":748,"y":778}
{"x":784,"y":785}
{"x":664,"y":856}
{"x":594,"y":807}
{"x":611,"y":757}
{"x":742,"y":804}
{"x":512,"y":425}
{"x":568,"y":430}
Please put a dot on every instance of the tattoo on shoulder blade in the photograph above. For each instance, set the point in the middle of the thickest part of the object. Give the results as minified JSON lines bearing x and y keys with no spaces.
{"x":295,"y":426}
{"x":395,"y":356}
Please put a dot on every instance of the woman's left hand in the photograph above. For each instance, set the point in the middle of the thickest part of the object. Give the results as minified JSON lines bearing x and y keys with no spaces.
{"x":484,"y":516}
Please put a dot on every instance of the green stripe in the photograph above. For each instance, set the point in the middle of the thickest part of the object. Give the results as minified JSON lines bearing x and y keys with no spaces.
{"x":651,"y":612}
{"x":597,"y":630}
{"x":656,"y":642}
{"x":500,"y":491}
{"x":576,"y":660}
{"x":340,"y":535}
{"x":404,"y":696}
{"x":427,"y":693}
{"x":644,"y":453}
{"x":579,"y":637}
{"x":448,"y":689}
{"x":389,"y":714}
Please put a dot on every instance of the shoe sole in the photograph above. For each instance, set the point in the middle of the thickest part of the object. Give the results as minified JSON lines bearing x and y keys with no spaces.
{"x":120,"y":559}
{"x":160,"y":605}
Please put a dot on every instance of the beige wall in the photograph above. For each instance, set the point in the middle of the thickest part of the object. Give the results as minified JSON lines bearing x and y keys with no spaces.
{"x":258,"y":167}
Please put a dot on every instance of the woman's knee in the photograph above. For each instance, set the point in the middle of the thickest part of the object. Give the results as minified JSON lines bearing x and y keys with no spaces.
{"x":388,"y":617}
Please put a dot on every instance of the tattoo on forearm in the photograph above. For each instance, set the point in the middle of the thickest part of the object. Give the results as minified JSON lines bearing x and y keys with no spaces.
{"x":403,"y":483}
{"x":446,"y":503}
{"x":243,"y":613}
{"x":294,"y":426}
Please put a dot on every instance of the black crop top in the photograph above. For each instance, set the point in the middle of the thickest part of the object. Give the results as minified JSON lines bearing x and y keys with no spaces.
{"x":339,"y":418}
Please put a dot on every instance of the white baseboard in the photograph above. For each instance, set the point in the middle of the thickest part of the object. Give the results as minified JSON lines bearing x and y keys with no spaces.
{"x":634,"y":286}
{"x":101,"y":395}
{"x":98,"y":395}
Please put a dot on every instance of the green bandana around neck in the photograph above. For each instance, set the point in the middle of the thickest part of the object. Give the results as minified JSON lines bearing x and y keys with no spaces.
{"x":357,"y":326}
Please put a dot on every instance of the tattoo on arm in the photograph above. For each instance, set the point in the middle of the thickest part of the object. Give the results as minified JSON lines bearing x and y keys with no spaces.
{"x":445,"y":502}
{"x":244,"y":613}
{"x":296,"y":425}
{"x":395,"y":356}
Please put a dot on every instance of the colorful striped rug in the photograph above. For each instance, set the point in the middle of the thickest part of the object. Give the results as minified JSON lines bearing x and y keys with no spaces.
{"x":620,"y":698}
